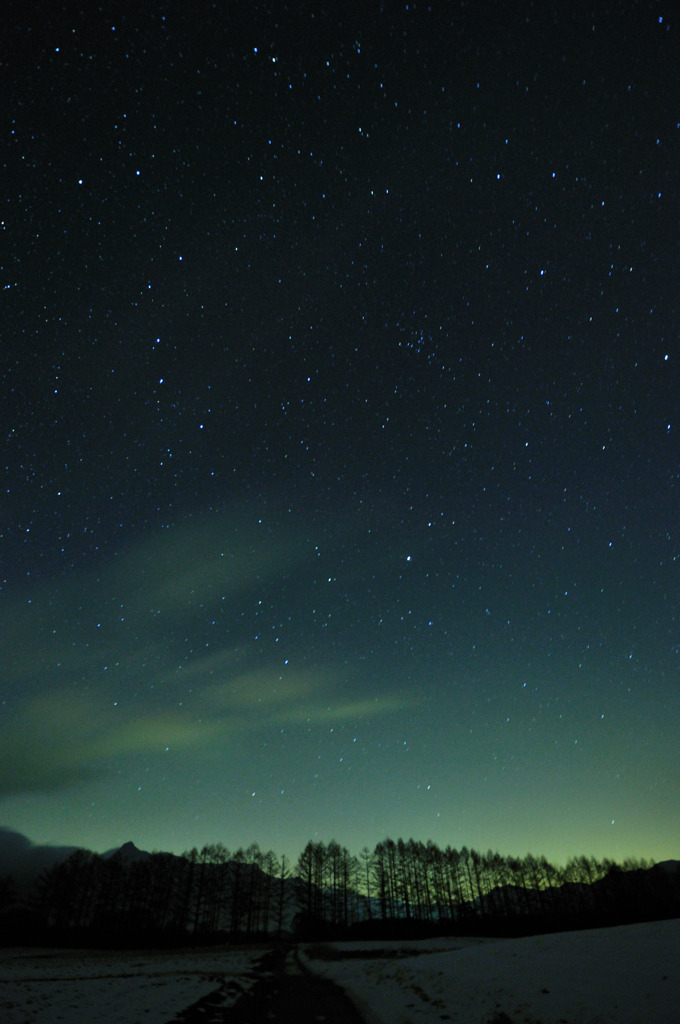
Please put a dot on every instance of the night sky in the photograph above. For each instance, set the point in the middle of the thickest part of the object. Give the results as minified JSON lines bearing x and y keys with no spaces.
{"x":340,"y":425}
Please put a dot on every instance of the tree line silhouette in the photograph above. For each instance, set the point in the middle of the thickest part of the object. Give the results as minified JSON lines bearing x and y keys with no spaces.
{"x":398,"y":888}
{"x":409,"y":887}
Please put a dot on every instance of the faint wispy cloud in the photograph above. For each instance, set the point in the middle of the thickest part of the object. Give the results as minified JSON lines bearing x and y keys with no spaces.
{"x":95,"y":664}
{"x":268,"y":696}
{"x":204,"y":560}
{"x":60,"y":738}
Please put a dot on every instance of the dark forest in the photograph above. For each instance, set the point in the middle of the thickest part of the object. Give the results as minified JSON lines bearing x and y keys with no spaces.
{"x":402,"y":888}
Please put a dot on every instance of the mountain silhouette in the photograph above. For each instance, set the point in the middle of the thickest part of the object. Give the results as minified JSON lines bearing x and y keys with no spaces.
{"x":128,"y":852}
{"x":25,"y":860}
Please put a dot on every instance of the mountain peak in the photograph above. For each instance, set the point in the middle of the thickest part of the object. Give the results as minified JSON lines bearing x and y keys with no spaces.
{"x":128,"y":852}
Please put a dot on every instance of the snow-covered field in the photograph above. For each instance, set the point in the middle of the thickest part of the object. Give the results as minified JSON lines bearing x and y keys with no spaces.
{"x":626,"y":975}
{"x":84,"y":987}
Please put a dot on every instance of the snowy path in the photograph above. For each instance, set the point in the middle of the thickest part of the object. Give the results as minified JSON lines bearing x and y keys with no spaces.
{"x":213,"y":986}
{"x":286,"y":992}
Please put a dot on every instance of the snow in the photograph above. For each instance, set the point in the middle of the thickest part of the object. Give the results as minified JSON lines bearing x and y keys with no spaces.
{"x":626,"y":975}
{"x":79,"y":987}
{"x":623,"y":975}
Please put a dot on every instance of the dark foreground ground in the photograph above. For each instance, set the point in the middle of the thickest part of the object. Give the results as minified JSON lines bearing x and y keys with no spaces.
{"x":287,"y":993}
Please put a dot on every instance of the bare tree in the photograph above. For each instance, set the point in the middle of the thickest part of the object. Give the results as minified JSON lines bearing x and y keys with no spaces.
{"x":367,"y":859}
{"x":282,"y":894}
